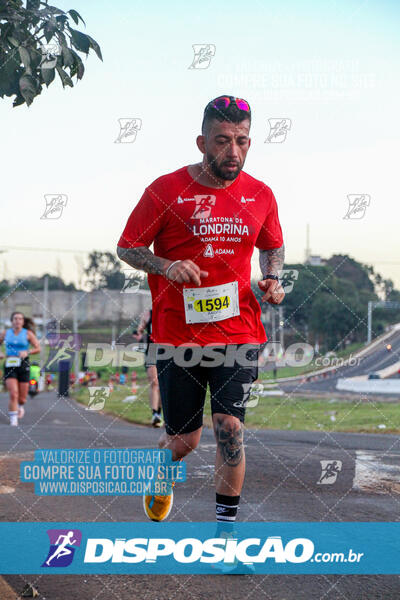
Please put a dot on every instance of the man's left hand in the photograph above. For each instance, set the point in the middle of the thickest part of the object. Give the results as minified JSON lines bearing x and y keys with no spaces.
{"x":274,"y":293}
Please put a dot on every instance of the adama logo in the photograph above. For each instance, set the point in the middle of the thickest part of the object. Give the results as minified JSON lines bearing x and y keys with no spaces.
{"x":63,"y":543}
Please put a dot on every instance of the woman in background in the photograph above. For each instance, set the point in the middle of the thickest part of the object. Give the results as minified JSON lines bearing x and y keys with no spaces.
{"x":20,"y":342}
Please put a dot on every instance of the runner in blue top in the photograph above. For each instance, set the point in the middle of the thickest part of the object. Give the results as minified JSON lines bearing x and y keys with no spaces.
{"x":17,"y":341}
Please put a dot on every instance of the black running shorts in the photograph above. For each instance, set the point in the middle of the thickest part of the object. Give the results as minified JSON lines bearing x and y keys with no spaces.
{"x":183,"y":388}
{"x":20,"y":373}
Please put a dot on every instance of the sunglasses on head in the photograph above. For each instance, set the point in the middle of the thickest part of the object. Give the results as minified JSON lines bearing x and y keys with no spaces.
{"x":222,"y":102}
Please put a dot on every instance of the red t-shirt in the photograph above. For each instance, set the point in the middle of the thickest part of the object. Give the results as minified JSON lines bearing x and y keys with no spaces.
{"x":215,"y":228}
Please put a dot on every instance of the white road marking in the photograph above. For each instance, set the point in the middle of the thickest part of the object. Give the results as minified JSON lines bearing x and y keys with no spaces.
{"x":372,"y":474}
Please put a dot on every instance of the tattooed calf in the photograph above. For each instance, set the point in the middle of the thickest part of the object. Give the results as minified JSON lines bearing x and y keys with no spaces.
{"x":230,"y":442}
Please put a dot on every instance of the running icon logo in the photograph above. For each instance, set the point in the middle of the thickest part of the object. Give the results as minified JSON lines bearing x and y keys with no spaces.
{"x":55,"y":204}
{"x":133,"y":279}
{"x":287,"y":278}
{"x":357,"y":206}
{"x":278,"y":129}
{"x":128,"y":129}
{"x":330,"y":471}
{"x":62,"y":347}
{"x":251,"y":395}
{"x":63,"y":543}
{"x":203,"y":54}
{"x":98,"y":397}
{"x":49,"y":55}
{"x":204,"y":204}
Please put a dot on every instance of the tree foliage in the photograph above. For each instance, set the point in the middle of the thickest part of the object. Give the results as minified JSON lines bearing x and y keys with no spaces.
{"x":33,"y":283}
{"x":329,"y":303}
{"x":37,"y":42}
{"x":104,"y":271}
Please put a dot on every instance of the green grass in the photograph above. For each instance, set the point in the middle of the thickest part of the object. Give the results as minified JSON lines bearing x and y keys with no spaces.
{"x":306,"y":414}
{"x":284,"y":412}
{"x":135,"y":412}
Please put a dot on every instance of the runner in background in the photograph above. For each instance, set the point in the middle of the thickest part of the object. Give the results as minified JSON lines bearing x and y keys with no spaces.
{"x":17,"y":341}
{"x":48,"y":381}
{"x":150,"y":364}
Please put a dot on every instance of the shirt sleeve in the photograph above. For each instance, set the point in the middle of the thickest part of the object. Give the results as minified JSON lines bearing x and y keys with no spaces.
{"x":145,"y":222}
{"x":270,"y":235}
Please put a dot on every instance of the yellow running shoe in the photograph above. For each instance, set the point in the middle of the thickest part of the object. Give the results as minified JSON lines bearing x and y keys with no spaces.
{"x":157,"y":508}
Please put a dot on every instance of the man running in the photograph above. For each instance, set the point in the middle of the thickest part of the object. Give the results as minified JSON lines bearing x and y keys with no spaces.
{"x":150,"y":365}
{"x":205,"y":220}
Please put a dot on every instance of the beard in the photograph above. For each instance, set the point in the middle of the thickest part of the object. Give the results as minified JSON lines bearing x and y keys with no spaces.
{"x":221,"y":171}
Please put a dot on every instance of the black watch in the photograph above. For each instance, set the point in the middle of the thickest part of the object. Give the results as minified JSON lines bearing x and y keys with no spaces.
{"x":271,"y":277}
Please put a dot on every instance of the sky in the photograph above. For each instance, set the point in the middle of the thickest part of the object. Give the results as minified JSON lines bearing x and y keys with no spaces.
{"x":330,"y":69}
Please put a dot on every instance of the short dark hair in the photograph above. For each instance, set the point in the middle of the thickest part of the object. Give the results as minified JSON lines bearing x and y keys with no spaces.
{"x":232,"y":114}
{"x":16,"y":312}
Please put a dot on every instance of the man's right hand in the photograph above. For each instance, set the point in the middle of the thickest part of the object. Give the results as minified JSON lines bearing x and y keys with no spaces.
{"x":186,"y":271}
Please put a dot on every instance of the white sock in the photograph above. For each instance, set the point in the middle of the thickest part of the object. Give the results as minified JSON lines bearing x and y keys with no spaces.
{"x":13,"y":414}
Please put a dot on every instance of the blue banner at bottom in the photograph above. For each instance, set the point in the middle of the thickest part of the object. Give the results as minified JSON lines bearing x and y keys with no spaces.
{"x":203,"y":547}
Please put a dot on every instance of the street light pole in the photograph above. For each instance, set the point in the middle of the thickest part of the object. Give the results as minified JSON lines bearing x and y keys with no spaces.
{"x":369,"y":337}
{"x":44,"y":318}
{"x":75,"y":332}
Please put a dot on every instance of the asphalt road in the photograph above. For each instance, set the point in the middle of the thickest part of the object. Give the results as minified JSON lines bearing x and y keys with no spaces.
{"x":281,"y":485}
{"x":378,"y":358}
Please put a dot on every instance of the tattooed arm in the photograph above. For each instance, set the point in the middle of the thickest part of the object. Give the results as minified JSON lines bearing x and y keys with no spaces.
{"x":182,"y":271}
{"x":271,"y":261}
{"x":142,"y":258}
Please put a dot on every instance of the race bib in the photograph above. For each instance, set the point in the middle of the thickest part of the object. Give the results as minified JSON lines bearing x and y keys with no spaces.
{"x":209,"y":304}
{"x":13,"y":361}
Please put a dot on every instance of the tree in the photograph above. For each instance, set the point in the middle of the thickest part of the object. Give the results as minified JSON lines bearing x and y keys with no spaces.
{"x":104,"y":271}
{"x":26,"y":63}
{"x":4,"y":287}
{"x":53,"y":282}
{"x":346,"y":267}
{"x":330,"y":302}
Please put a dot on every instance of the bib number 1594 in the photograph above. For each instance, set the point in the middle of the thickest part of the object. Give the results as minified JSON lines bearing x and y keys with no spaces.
{"x":209,"y":304}
{"x":212,"y":304}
